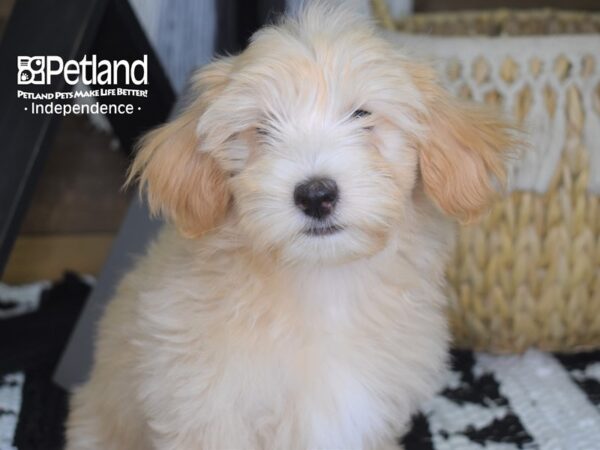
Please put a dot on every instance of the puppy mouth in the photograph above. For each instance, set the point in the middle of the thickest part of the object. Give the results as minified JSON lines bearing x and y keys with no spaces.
{"x":326,"y":230}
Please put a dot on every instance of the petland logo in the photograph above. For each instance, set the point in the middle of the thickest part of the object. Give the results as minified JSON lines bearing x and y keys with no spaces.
{"x":42,"y":70}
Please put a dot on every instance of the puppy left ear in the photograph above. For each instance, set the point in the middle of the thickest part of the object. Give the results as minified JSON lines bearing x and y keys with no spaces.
{"x":462,"y":152}
{"x":180,"y":180}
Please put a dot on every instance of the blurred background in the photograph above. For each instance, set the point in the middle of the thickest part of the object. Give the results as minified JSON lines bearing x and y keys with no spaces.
{"x":524,"y":282}
{"x":62,"y":228}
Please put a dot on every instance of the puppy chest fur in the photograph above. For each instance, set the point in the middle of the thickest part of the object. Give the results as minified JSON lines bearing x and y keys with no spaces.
{"x":309,"y":358}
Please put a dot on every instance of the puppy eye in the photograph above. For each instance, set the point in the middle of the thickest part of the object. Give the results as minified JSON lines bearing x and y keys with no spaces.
{"x":262,"y":131}
{"x":359,"y":113}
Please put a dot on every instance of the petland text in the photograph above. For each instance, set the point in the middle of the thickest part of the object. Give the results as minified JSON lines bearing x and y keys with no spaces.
{"x":41,"y":70}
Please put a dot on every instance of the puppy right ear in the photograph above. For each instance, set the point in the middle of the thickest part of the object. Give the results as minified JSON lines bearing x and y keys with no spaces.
{"x":180,"y":181}
{"x":463,"y":151}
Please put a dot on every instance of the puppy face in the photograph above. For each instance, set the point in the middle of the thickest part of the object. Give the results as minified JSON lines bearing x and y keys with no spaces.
{"x":319,"y":169}
{"x":313,"y":141}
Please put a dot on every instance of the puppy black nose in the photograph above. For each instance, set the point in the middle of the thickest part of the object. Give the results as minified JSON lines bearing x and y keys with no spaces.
{"x":316,"y":197}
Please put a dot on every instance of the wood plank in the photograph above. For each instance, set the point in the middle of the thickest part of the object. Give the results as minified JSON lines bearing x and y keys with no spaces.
{"x":5,"y":9}
{"x":80,"y":187}
{"x":63,"y":28}
{"x":458,"y":5}
{"x":46,"y":257}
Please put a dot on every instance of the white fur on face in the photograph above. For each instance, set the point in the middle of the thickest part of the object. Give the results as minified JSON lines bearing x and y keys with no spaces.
{"x":287,"y":116}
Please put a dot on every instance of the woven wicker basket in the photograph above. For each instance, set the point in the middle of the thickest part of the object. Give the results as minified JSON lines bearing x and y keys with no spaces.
{"x":529,"y":273}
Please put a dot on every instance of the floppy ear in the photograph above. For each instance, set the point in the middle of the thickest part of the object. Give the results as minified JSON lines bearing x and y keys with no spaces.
{"x":462,"y":152}
{"x":180,"y":181}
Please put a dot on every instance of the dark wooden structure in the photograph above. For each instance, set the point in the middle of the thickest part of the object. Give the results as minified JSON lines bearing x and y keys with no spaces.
{"x":69,"y":29}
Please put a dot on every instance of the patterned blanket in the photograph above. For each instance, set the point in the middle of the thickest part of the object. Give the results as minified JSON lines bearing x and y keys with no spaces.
{"x":531,"y":401}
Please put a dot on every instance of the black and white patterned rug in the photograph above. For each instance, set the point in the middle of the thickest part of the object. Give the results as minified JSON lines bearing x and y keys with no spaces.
{"x":35,"y":323}
{"x":531,"y":401}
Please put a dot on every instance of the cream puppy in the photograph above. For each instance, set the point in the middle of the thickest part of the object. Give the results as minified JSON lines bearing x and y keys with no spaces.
{"x":297,"y":299}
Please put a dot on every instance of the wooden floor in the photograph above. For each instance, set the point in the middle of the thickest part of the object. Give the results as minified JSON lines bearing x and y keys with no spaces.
{"x":78,"y":204}
{"x":46,"y":257}
{"x":76,"y":210}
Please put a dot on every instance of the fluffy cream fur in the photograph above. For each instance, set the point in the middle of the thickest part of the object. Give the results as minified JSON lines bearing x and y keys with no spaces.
{"x":240,"y":331}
